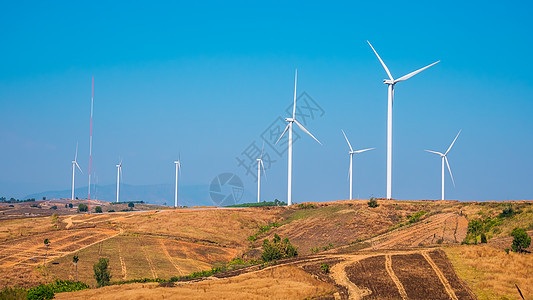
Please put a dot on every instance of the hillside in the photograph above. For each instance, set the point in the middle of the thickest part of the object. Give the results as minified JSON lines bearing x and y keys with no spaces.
{"x":398,"y":249}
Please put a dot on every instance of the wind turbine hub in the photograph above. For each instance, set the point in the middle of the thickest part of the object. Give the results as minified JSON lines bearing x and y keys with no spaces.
{"x":388,"y":81}
{"x":289,"y":119}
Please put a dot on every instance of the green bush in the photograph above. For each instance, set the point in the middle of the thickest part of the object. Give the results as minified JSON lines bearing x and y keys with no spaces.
{"x":306,"y":205}
{"x":416,"y":217}
{"x":98,"y":209}
{"x":82,"y":207}
{"x":508,"y":212}
{"x":40,"y":292}
{"x":521,"y":240}
{"x":101,"y":272}
{"x":373,"y":203}
{"x":130,"y":204}
{"x":325,"y":268}
{"x":277,"y":249}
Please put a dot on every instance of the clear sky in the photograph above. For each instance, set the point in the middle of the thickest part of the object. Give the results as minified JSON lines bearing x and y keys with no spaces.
{"x":206,"y":79}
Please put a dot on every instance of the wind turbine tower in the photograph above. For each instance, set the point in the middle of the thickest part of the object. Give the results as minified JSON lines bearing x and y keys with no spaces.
{"x":351,"y":152}
{"x":290,"y":121}
{"x":391,"y":82}
{"x":119,"y":173}
{"x":259,"y":166}
{"x":444,"y":158}
{"x":74,"y":165}
{"x":178,"y":169}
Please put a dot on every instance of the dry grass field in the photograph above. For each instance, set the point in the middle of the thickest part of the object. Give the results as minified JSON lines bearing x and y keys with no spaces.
{"x":491,"y":272}
{"x":283,"y":282}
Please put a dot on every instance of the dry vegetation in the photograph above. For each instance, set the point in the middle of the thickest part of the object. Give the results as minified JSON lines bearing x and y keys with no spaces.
{"x":491,"y":272}
{"x":369,"y":244}
{"x":284,"y":282}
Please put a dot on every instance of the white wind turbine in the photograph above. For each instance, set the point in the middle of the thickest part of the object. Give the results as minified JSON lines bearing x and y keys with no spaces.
{"x":119,"y":173}
{"x":178,"y":169}
{"x":351,"y":152}
{"x":74,"y":165}
{"x":444,"y":158}
{"x":259,"y":165}
{"x":289,"y":128}
{"x":391,"y":82}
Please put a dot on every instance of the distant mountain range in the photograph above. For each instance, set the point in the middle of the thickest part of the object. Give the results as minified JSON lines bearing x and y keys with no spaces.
{"x":162,"y":194}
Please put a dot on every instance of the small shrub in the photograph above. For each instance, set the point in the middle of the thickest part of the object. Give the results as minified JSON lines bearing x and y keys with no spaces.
{"x":373,"y":203}
{"x":306,"y":205}
{"x":131,"y":204}
{"x":40,"y":292}
{"x":101,"y":272}
{"x":111,"y":210}
{"x":277,"y":249}
{"x":507,"y":250}
{"x":521,"y":240}
{"x":324,"y":268}
{"x":70,"y":205}
{"x":416,"y":217}
{"x":98,"y":209}
{"x":53,"y":207}
{"x":82,"y":207}
{"x":507,"y":212}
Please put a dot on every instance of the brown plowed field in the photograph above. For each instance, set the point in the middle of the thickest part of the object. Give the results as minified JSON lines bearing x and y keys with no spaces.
{"x":418,"y":278}
{"x":370,"y":273}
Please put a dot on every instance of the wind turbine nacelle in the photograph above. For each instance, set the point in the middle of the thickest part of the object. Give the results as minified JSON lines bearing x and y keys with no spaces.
{"x":388,"y":81}
{"x":289,"y":119}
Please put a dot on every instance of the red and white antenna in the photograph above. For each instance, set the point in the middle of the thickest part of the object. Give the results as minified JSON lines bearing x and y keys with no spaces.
{"x":91,"y":146}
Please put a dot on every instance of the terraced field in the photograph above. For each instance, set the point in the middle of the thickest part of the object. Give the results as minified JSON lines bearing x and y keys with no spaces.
{"x":31,"y":250}
{"x":133,"y":257}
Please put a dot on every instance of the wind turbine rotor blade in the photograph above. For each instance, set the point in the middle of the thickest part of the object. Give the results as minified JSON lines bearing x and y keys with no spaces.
{"x":294,"y":106}
{"x":363,"y":150}
{"x":449,"y":169}
{"x":381,"y":61}
{"x":405,"y":77}
{"x":306,"y":131}
{"x":76,"y":155}
{"x":78,"y":167}
{"x":434,"y":152}
{"x":262,"y":150}
{"x":347,"y":140}
{"x":451,"y":145}
{"x":283,"y":133}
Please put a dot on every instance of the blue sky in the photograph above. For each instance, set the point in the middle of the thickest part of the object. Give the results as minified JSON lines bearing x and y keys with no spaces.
{"x":206,"y":79}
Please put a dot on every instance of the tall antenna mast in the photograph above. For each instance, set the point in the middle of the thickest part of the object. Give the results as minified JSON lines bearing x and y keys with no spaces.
{"x":90,"y":147}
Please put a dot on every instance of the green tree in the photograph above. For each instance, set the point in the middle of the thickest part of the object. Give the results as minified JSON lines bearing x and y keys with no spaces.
{"x":131,"y":205}
{"x":82,"y":207}
{"x":521,"y":240}
{"x":98,"y":209}
{"x":46,"y":244}
{"x":101,"y":272}
{"x":474,"y":228}
{"x":70,"y":205}
{"x":75,"y":260}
